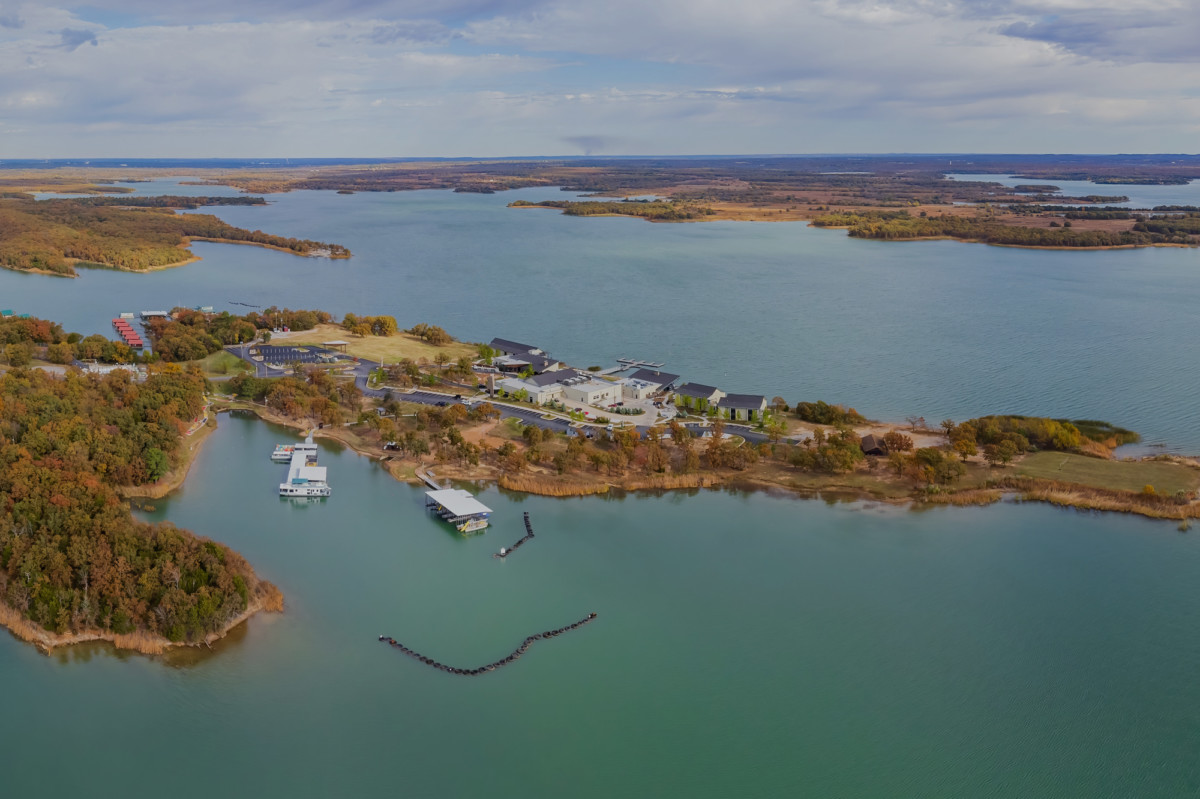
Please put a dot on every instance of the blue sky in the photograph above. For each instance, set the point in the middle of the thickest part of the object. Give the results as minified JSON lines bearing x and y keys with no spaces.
{"x":161,"y":78}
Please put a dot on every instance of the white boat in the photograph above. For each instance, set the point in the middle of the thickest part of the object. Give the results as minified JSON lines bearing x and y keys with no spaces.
{"x":283,"y":452}
{"x":304,"y":480}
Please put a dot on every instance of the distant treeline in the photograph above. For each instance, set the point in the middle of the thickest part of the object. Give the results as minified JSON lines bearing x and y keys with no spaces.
{"x":898,"y":226}
{"x":50,"y":234}
{"x":647,"y":209}
{"x":72,"y":558}
{"x":169,"y":201}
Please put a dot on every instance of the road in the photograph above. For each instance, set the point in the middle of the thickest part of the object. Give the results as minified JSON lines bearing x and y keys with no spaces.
{"x":362,"y":371}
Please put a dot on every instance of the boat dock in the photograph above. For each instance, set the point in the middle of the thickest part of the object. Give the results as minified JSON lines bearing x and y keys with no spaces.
{"x":303,"y":479}
{"x":630,"y":363}
{"x":459,"y":507}
{"x":128,"y":334}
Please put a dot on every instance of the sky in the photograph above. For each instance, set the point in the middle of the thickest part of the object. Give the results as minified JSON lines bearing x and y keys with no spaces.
{"x":397,"y":78}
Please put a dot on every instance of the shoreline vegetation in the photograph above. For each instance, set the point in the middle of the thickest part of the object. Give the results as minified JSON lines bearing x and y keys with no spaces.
{"x":133,"y":234}
{"x":886,"y":198}
{"x":76,"y":566}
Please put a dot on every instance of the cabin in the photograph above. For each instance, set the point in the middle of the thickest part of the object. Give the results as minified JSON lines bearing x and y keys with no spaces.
{"x":743,"y":407}
{"x":873,"y":445}
{"x":697,"y":397}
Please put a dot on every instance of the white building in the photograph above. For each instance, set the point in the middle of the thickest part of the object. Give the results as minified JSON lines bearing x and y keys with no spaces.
{"x":591,"y":392}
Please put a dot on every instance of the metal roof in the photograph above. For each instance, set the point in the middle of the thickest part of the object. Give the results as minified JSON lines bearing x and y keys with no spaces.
{"x":504,"y":345}
{"x":654,"y":376}
{"x":458,"y":501}
{"x":742,"y":401}
{"x":695,"y":390}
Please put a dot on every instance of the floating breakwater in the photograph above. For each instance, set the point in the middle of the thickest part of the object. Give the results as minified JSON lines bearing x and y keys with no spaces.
{"x":504,"y":553}
{"x":512,"y":658}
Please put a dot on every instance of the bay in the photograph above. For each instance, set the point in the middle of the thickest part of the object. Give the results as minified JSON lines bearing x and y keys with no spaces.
{"x":746,"y":645}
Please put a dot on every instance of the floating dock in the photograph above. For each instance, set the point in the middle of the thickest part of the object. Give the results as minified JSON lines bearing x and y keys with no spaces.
{"x":454,"y":505}
{"x":128,"y":334}
{"x":304,"y":480}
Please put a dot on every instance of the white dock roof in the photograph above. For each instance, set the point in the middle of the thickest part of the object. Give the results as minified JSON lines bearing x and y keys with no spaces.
{"x":458,"y":501}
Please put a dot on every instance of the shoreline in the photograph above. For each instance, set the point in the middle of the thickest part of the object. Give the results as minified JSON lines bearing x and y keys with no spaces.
{"x":267,"y":598}
{"x":544,"y":483}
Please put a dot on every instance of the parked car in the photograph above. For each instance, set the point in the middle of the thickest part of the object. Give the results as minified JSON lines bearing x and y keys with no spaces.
{"x":441,"y":403}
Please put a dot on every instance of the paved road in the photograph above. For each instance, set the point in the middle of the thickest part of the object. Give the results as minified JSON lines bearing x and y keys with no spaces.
{"x":363,"y":369}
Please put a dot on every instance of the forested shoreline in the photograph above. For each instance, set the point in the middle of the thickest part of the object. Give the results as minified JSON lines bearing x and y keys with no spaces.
{"x":73,"y":560}
{"x":54,"y":235}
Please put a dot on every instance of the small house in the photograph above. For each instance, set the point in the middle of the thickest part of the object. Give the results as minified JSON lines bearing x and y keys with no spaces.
{"x":698,"y":397}
{"x":873,"y":445}
{"x":743,"y":407}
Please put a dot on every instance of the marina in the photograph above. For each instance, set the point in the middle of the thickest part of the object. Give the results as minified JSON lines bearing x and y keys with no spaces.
{"x":459,"y":508}
{"x":304,"y":478}
{"x":283,"y":452}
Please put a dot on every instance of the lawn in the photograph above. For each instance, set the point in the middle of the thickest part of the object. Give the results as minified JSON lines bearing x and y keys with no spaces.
{"x":222,"y":362}
{"x":1167,"y":478}
{"x":390,"y":349}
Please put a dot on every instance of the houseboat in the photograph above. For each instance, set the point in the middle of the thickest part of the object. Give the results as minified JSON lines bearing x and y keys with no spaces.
{"x":304,"y":479}
{"x":283,"y":452}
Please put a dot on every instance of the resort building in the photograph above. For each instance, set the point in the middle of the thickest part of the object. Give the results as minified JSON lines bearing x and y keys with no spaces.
{"x":541,"y":388}
{"x":506,"y":347}
{"x":743,"y":407}
{"x":644,"y":383}
{"x":697,"y":397}
{"x":589,"y":391}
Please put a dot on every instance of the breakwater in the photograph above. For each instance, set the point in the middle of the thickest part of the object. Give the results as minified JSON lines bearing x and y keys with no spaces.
{"x":512,"y":658}
{"x":505,"y":552}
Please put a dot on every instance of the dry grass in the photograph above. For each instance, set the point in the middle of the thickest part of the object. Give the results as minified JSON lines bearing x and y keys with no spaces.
{"x":390,"y":349}
{"x":1090,"y":498}
{"x":1165,"y":476}
{"x":551,"y":485}
{"x":974,"y":496}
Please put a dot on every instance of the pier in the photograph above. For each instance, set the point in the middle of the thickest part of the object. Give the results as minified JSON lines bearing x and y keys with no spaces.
{"x":630,"y":363}
{"x":512,"y":658}
{"x":459,"y":507}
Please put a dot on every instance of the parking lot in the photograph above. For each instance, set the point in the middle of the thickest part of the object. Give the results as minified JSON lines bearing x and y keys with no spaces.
{"x":288,"y":355}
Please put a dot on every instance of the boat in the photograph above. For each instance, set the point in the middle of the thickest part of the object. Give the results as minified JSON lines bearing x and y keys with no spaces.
{"x":283,"y":452}
{"x":471,"y":525}
{"x":304,"y":479}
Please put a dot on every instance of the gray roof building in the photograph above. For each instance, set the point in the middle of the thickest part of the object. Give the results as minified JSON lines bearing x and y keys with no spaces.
{"x":697,"y":390}
{"x":514,"y":348}
{"x":661,"y":379}
{"x":747,"y":401}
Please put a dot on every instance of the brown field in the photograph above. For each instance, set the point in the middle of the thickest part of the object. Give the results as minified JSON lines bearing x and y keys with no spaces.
{"x":389,"y":349}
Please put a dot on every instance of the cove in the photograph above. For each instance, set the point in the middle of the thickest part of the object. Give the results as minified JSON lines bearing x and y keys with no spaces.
{"x":746,"y":645}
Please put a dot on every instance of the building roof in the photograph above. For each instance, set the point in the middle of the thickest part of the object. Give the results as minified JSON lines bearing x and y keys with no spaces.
{"x":550,"y":378}
{"x":504,"y":345}
{"x":458,"y":502}
{"x":696,"y":390}
{"x":871,"y":441}
{"x":334,"y":343}
{"x":752,"y":401}
{"x":654,"y":376}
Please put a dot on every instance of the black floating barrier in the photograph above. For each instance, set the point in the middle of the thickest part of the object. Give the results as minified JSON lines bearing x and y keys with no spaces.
{"x":511,"y":658}
{"x":504,"y":553}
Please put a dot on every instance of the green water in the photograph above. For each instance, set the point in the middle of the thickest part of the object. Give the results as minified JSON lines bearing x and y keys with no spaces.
{"x":746,"y":645}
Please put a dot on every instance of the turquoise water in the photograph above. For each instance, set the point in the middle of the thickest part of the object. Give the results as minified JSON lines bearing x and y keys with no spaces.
{"x":746,"y":645}
{"x":935,"y":329}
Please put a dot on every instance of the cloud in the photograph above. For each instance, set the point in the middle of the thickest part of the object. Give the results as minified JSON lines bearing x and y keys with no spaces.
{"x":11,"y":20}
{"x":73,"y":38}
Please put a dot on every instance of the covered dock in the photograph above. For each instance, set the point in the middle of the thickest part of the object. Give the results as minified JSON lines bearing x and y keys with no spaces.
{"x":459,"y":508}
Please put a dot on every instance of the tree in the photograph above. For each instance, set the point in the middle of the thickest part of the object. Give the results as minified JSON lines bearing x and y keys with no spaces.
{"x":264,"y":336}
{"x":965,"y":447}
{"x":19,"y":354}
{"x":895,"y":441}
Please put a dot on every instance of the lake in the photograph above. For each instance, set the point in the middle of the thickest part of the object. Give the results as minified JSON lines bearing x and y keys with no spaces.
{"x":935,"y":329}
{"x":1140,"y":196}
{"x":746,"y":645}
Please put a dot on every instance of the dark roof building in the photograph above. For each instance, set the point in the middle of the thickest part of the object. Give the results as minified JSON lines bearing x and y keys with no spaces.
{"x":663,"y":380}
{"x":507,"y":347}
{"x":698,"y":390}
{"x":547,"y":378}
{"x":755,"y":402}
{"x":873,"y":445}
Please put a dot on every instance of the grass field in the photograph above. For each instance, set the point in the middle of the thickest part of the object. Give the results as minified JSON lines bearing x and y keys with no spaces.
{"x":222,"y":363}
{"x":390,"y":349}
{"x":1167,"y":478}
